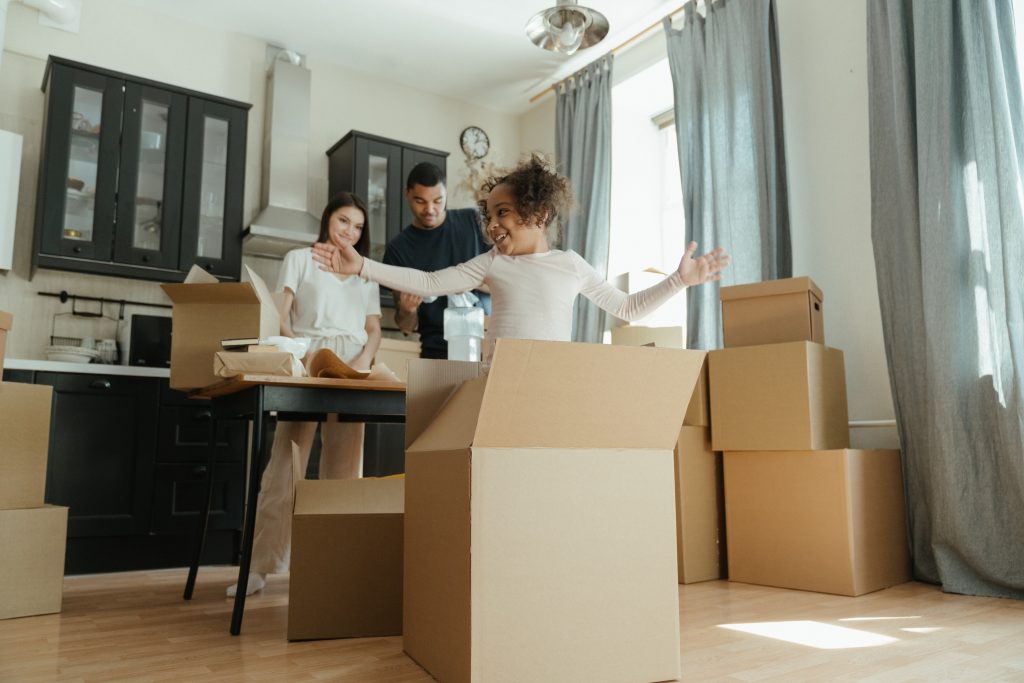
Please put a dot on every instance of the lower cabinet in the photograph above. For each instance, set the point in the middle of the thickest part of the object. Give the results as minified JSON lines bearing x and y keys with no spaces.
{"x":128,"y":457}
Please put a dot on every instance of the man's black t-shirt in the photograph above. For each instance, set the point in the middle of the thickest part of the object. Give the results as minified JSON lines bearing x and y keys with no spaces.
{"x":455,"y":241}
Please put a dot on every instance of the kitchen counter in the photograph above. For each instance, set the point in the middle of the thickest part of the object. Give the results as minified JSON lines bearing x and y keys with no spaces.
{"x":84,"y":368}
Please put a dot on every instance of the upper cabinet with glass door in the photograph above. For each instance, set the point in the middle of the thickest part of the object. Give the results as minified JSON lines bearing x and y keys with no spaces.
{"x":117,"y":175}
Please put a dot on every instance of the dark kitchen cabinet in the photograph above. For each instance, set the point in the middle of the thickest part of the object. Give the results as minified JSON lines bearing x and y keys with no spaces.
{"x":128,"y":456}
{"x":102,"y":451}
{"x":138,"y":179}
{"x":375,"y":168}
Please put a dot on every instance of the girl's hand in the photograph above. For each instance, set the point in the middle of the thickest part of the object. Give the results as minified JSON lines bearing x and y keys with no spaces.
{"x":340,"y":259}
{"x":360,"y":363}
{"x":697,"y":271}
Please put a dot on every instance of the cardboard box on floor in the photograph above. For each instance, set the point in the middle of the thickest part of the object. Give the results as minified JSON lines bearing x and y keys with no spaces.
{"x":207,"y":311}
{"x":700,"y":507}
{"x":672,"y":313}
{"x":778,"y":397}
{"x":539,"y":513}
{"x":346,"y":561}
{"x":698,"y":410}
{"x":32,"y":561}
{"x":6,"y":320}
{"x":772,"y":312}
{"x":24,"y":443}
{"x":827,"y":521}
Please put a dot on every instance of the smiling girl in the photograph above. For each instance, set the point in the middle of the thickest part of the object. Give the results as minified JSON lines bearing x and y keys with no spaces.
{"x":533,"y":287}
{"x":337,"y":313}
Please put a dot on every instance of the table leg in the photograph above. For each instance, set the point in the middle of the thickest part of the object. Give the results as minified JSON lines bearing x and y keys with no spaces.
{"x":204,"y":515}
{"x":249,"y":526}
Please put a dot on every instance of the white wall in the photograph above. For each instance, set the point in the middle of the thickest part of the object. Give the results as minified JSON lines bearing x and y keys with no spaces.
{"x":823,"y":49}
{"x":118,"y":35}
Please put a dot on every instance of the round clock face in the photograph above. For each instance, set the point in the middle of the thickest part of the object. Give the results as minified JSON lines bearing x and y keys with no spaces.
{"x":475,"y":142}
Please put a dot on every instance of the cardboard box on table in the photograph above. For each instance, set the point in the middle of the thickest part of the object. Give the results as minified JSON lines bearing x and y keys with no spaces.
{"x":698,"y":410}
{"x":32,"y":561}
{"x":778,"y":397}
{"x":207,"y":311}
{"x":6,"y":320}
{"x":829,"y":521}
{"x":346,"y":561}
{"x":539,"y":513}
{"x":700,"y":507}
{"x":24,"y":443}
{"x":772,"y":312}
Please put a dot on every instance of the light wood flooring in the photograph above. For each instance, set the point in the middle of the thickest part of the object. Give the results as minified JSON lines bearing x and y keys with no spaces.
{"x":135,"y":627}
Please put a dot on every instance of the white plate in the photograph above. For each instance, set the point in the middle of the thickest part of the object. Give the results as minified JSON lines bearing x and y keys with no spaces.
{"x":68,"y":357}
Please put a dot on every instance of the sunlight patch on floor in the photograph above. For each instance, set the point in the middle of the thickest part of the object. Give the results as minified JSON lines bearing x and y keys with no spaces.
{"x":813,"y":634}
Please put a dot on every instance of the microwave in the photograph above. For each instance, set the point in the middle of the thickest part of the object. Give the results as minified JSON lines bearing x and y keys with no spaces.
{"x":150,"y":341}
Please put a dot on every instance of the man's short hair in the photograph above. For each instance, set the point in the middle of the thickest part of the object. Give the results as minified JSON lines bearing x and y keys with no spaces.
{"x":425,"y":174}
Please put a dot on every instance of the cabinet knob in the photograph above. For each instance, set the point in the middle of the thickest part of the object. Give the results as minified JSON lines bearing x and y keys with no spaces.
{"x":199,"y":469}
{"x":100,"y":384}
{"x":203,"y":415}
{"x":77,"y":250}
{"x":145,"y":258}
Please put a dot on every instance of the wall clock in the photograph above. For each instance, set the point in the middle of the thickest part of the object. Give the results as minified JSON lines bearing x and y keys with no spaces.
{"x":475,"y":142}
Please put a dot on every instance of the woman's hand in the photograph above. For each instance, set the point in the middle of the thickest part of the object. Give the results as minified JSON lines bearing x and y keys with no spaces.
{"x":697,"y":271}
{"x":341,"y":259}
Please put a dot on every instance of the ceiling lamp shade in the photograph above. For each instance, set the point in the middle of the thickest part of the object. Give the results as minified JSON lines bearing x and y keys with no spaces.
{"x":566,"y":27}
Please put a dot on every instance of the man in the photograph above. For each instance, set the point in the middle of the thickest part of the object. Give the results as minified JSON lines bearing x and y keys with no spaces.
{"x":437,"y":238}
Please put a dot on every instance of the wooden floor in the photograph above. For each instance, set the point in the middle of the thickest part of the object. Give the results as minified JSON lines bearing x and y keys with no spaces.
{"x":135,"y":627}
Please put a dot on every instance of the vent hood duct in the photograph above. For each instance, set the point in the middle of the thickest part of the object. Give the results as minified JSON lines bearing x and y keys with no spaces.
{"x":285,"y":222}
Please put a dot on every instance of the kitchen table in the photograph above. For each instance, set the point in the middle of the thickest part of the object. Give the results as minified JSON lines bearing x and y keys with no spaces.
{"x":254,"y":397}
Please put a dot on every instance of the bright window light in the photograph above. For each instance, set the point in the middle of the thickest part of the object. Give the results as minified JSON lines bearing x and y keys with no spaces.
{"x":923,"y":629}
{"x":876,"y":618}
{"x":813,"y":634}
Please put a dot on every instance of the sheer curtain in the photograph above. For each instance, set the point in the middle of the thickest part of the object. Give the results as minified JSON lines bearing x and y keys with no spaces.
{"x":947,"y":214}
{"x":728,"y":117}
{"x":583,"y":152}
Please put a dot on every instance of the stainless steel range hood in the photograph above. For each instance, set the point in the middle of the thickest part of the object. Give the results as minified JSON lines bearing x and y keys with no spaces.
{"x":285,"y":222}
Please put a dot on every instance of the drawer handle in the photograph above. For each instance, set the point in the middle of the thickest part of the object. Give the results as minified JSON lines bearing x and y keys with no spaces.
{"x":100,"y":384}
{"x":200,"y":469}
{"x":203,"y":416}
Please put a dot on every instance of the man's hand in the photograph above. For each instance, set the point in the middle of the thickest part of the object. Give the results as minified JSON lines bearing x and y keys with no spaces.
{"x":340,"y":259}
{"x":405,"y":311}
{"x":697,"y":271}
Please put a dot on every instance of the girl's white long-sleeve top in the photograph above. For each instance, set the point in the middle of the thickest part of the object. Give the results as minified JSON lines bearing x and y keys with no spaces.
{"x":532,"y":296}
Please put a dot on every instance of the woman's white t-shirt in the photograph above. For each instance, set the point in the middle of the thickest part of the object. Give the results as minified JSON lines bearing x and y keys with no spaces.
{"x":326,"y":305}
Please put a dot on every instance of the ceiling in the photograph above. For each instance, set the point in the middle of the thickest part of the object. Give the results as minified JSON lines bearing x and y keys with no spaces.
{"x":471,"y":50}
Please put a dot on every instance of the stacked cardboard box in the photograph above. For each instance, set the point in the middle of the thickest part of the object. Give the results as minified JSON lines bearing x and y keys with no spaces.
{"x":32,"y":535}
{"x":700,"y":506}
{"x":539,"y":513}
{"x":803,"y":510}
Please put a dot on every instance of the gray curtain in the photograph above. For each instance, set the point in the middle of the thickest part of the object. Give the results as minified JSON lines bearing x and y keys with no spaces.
{"x":728,"y":112}
{"x":583,"y":152}
{"x":947,"y":167}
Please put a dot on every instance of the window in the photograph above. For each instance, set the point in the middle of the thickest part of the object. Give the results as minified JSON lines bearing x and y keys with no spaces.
{"x":647,"y":223}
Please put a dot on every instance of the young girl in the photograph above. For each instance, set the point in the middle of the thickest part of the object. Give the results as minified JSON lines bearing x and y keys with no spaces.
{"x":533,"y":287}
{"x":338,"y":313}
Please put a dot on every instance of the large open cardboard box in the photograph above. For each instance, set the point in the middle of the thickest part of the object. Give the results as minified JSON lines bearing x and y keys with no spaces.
{"x":778,"y":397}
{"x":700,"y":507}
{"x":698,"y":410}
{"x":826,"y":521}
{"x":205,"y":313}
{"x":772,"y":312}
{"x":540,"y":513}
{"x":24,"y":443}
{"x":346,"y":563}
{"x":32,"y":560}
{"x":6,"y":320}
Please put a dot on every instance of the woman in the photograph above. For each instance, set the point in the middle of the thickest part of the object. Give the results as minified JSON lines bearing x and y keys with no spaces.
{"x":337,"y":313}
{"x":533,"y":287}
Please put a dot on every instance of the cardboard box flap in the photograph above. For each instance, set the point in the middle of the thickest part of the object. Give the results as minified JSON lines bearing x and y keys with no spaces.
{"x":561,"y":395}
{"x":6,"y":320}
{"x":349,"y":496}
{"x":456,"y":422}
{"x":226,"y":293}
{"x":198,"y":276}
{"x":771,"y":288}
{"x":429,"y":384}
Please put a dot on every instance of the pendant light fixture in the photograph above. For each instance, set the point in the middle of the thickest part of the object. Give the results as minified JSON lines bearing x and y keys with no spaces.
{"x":566,"y":27}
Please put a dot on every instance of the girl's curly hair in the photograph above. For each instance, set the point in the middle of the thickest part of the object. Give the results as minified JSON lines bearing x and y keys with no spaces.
{"x":540,"y":192}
